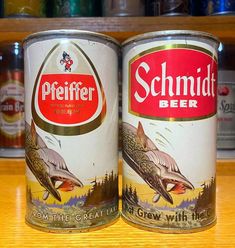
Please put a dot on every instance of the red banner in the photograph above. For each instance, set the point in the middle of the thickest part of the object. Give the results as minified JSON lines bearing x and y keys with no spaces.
{"x":67,"y":98}
{"x":173,"y":83}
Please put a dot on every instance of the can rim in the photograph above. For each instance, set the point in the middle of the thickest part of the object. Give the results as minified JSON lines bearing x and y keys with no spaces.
{"x":158,"y":34}
{"x":68,"y":32}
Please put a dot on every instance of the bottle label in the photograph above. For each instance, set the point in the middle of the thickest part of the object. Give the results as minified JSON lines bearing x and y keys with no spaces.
{"x":12,"y":110}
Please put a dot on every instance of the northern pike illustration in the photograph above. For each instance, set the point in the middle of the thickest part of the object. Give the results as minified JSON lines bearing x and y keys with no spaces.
{"x":157,"y":168}
{"x":47,"y":165}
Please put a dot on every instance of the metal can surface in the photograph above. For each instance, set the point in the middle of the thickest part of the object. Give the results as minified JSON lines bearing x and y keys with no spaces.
{"x":153,"y":7}
{"x":123,"y":7}
{"x":198,"y":8}
{"x":222,"y":7}
{"x":169,"y":130}
{"x":24,"y":8}
{"x":73,"y":8}
{"x":11,"y":100}
{"x":212,"y":7}
{"x":226,"y":98}
{"x":71,"y":103}
{"x":174,"y":7}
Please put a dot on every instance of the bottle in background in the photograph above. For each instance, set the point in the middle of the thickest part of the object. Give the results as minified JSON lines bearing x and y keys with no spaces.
{"x":12,"y":126}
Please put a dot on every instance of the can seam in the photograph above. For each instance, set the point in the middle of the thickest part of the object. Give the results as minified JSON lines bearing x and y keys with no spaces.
{"x":173,"y":33}
{"x":68,"y":33}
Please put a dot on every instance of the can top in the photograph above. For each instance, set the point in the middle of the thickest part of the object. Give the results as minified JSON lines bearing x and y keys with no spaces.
{"x":170,"y":33}
{"x":50,"y":34}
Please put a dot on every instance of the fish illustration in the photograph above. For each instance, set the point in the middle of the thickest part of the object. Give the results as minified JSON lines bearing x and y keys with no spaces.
{"x":47,"y":165}
{"x":157,"y":168}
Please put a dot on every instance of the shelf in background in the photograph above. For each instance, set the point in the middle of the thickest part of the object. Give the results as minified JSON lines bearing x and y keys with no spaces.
{"x":120,"y":28}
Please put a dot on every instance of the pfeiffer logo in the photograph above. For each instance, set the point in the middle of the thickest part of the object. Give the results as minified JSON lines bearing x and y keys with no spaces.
{"x":68,"y":97}
{"x":175,"y":83}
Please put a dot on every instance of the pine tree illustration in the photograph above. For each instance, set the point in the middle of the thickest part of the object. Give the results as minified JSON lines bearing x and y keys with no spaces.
{"x":206,"y":198}
{"x":106,"y":190}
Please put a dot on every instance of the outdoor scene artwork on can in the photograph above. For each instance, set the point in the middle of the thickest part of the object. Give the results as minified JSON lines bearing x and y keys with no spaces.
{"x":169,"y":126}
{"x":71,"y":159}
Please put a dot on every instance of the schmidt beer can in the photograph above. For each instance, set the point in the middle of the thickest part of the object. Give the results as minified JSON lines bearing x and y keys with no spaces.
{"x":71,"y":101}
{"x":169,"y":130}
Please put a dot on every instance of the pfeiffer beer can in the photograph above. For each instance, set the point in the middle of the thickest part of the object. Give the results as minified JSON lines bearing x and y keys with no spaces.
{"x":169,"y":130}
{"x":71,"y":102}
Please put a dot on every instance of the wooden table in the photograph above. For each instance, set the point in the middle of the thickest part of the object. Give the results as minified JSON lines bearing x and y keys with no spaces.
{"x":15,"y":233}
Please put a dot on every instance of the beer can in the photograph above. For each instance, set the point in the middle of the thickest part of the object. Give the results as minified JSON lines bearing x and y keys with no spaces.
{"x":71,"y":147}
{"x":222,"y":7}
{"x":153,"y":7}
{"x":174,"y":7}
{"x":226,"y":98}
{"x":24,"y":8}
{"x":212,"y":7}
{"x":123,"y":7}
{"x":11,"y":100}
{"x":169,"y":130}
{"x":73,"y":8}
{"x":198,"y":8}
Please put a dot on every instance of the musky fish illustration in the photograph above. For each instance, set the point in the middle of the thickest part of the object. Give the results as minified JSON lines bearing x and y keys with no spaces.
{"x":158,"y":169}
{"x":47,"y":165}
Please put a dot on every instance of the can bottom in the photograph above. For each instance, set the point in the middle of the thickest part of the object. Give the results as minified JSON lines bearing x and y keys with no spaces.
{"x":12,"y":152}
{"x":175,"y":14}
{"x":72,"y":230}
{"x":223,"y":13}
{"x":168,"y":230}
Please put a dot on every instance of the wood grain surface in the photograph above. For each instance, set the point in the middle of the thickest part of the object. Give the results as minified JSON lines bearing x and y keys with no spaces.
{"x":120,"y":28}
{"x":15,"y":233}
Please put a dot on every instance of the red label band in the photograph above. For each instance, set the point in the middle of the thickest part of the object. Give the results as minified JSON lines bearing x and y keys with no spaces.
{"x":175,"y":83}
{"x":67,"y":98}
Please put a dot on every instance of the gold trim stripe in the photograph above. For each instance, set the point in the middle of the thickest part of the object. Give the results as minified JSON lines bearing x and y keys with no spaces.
{"x":174,"y":46}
